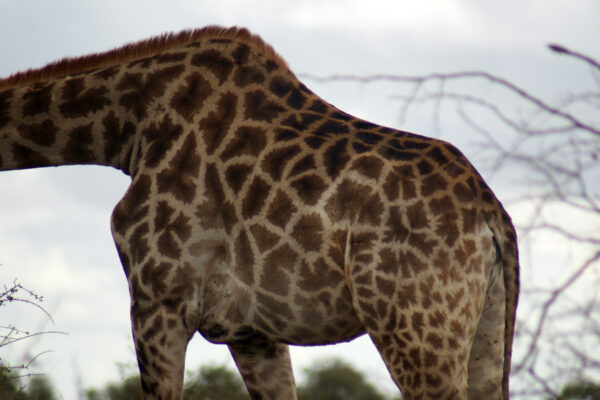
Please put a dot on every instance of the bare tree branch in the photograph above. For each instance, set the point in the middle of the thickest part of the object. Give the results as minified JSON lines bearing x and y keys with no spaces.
{"x":418,"y":81}
{"x":555,"y":294}
{"x":557,"y":48}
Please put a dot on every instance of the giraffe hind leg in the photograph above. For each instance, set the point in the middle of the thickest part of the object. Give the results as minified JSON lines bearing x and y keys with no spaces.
{"x":423,"y":342}
{"x":265,"y":367}
{"x":487,"y":352}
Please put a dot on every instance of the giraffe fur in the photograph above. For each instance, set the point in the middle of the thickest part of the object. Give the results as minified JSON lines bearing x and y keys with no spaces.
{"x":262,"y":216}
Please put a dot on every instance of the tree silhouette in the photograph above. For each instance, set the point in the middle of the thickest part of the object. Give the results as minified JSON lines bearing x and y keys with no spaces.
{"x":38,"y":387}
{"x":129,"y":389}
{"x":336,"y":380}
{"x":10,"y":386}
{"x":215,"y":383}
{"x":208,"y":383}
{"x":578,"y":390}
{"x":331,"y":380}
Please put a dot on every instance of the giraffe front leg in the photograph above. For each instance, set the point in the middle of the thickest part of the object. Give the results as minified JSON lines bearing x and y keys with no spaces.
{"x":160,"y":345}
{"x":266,"y":368}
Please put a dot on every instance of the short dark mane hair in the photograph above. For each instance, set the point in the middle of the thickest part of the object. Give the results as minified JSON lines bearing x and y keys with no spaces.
{"x":136,"y":50}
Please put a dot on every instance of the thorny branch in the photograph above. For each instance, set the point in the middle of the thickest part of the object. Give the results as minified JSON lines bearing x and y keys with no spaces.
{"x":557,"y":152}
{"x":9,"y":334}
{"x":13,"y":294}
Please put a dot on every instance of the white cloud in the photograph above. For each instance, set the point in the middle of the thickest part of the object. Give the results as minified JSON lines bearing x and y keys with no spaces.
{"x":376,"y":15}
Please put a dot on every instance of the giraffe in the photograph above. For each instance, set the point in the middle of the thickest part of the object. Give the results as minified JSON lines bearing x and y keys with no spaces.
{"x":261,"y":216}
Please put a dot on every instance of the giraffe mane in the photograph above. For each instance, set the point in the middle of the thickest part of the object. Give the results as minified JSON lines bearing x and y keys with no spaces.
{"x":137,"y":50}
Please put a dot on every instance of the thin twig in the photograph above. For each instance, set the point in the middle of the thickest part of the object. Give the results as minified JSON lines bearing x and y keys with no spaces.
{"x":575,"y":122}
{"x":557,"y":48}
{"x":555,"y":294}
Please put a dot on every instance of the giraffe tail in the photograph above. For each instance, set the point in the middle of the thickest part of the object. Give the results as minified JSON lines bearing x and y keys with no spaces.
{"x":506,"y":240}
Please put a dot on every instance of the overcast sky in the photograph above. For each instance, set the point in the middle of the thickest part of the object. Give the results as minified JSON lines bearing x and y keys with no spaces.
{"x":54,"y":223}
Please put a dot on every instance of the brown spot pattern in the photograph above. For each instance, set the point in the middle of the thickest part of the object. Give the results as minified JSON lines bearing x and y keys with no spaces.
{"x":209,"y":212}
{"x":277,"y":266}
{"x":29,"y":158}
{"x":309,"y":188}
{"x":42,"y":134}
{"x":140,"y":89}
{"x":254,"y":200}
{"x":215,"y":62}
{"x":179,"y":177}
{"x":160,"y":137}
{"x":281,"y":209}
{"x":216,"y":126}
{"x":336,"y":157}
{"x":37,"y":100}
{"x":306,"y":163}
{"x":247,"y":75}
{"x":79,"y":101}
{"x":247,"y":140}
{"x":244,"y":259}
{"x":115,"y":134}
{"x":131,"y":208}
{"x":190,"y":96}
{"x":368,"y":166}
{"x":265,"y":239}
{"x":236,"y":175}
{"x":5,"y":104}
{"x":78,"y":149}
{"x":274,"y":161}
{"x":279,"y":163}
{"x":280,"y":86}
{"x":258,"y":107}
{"x":306,"y":232}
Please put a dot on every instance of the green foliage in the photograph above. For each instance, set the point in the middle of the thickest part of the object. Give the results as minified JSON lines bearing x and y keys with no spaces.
{"x":337,"y":381}
{"x":9,"y":385}
{"x":580,"y":390}
{"x":208,"y":383}
{"x":40,"y":388}
{"x":37,"y":388}
{"x":129,"y":389}
{"x":215,"y":383}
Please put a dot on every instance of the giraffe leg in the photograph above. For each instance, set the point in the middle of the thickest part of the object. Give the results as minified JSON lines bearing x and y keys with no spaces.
{"x":419,"y":371}
{"x":487,"y":352}
{"x":422,"y":330}
{"x":160,"y":346}
{"x":266,"y":368}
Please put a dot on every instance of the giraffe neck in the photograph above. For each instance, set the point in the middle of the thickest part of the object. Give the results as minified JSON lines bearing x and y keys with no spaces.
{"x":114,"y":108}
{"x":64,"y":121}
